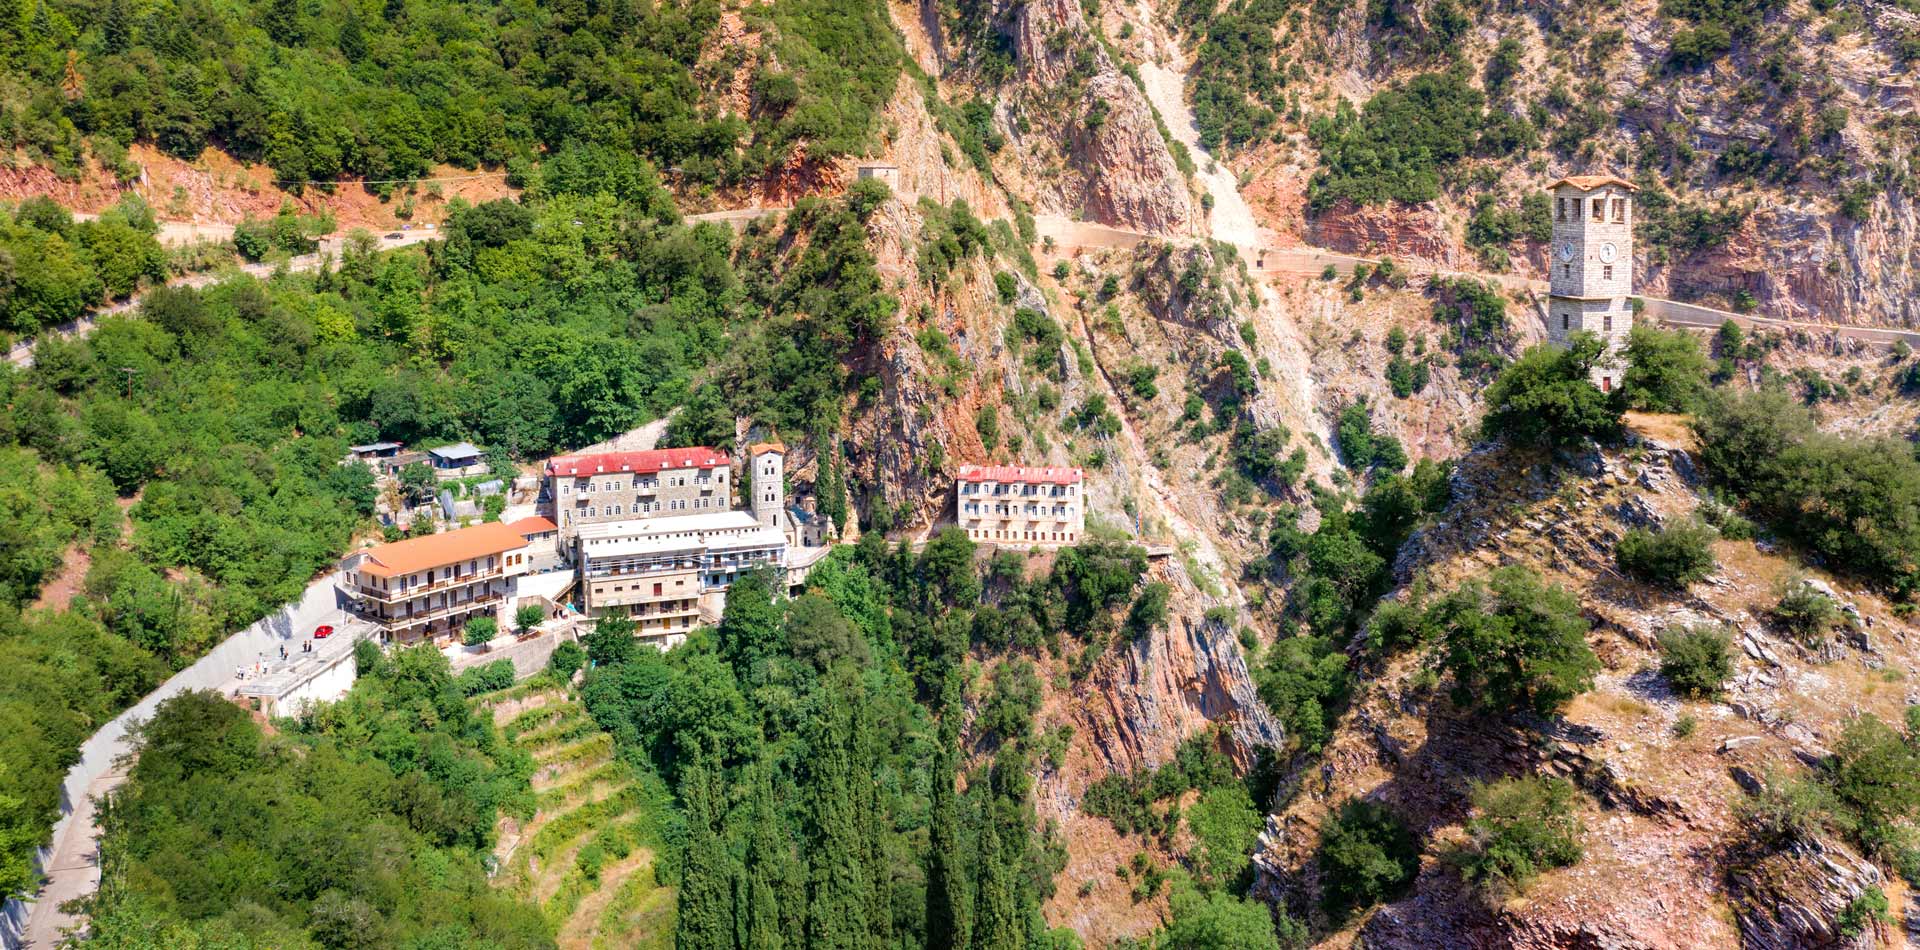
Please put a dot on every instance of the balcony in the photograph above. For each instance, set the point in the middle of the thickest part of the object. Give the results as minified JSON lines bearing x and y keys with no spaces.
{"x":418,"y":617}
{"x":398,"y":594}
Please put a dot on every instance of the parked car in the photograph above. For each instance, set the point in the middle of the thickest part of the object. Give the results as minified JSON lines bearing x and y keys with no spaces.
{"x":393,"y":236}
{"x":322,"y":632}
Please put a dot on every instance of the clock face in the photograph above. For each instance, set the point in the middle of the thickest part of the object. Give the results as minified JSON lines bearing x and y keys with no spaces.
{"x":1566,"y":251}
{"x":1607,"y":252}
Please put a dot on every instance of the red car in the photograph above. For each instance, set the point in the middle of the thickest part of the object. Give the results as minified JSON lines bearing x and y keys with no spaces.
{"x":322,"y":632}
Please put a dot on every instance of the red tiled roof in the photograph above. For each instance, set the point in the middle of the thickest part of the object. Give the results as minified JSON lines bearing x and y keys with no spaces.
{"x":436,"y":550}
{"x":1019,"y":474}
{"x":534,"y":525}
{"x":1591,"y":182}
{"x":652,"y":460}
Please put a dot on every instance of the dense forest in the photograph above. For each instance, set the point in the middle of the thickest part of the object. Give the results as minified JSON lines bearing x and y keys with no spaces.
{"x":386,"y":91}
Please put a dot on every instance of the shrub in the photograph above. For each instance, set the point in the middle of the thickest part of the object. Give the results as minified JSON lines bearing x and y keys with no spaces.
{"x":1862,"y":912}
{"x":567,"y":658}
{"x":1697,"y":660}
{"x":1674,"y":555}
{"x":1876,"y":771}
{"x":1804,"y":610}
{"x":1367,"y":855}
{"x":1524,"y":826}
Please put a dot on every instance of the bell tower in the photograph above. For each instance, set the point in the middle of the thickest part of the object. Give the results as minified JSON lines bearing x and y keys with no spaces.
{"x":1591,"y":284}
{"x":768,"y":461}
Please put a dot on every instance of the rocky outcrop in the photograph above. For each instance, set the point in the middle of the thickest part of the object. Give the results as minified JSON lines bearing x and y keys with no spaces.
{"x":1171,"y":684}
{"x":1416,"y":231}
{"x":1088,"y":142}
{"x":1789,"y":899}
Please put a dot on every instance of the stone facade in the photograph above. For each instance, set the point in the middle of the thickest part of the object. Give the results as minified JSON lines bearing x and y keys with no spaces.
{"x":1591,"y":279}
{"x":621,"y":486}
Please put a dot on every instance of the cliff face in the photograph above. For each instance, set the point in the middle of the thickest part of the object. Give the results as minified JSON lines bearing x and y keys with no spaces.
{"x":1668,"y":860}
{"x":1081,"y":139}
{"x":1797,"y":140}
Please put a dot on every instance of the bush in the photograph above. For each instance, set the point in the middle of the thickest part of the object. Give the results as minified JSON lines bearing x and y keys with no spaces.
{"x":1876,"y":771}
{"x":1524,"y":826}
{"x":1805,"y":611}
{"x":1853,"y":501}
{"x":486,"y":678}
{"x":1696,"y":660}
{"x":1367,"y":855}
{"x":1674,"y":555}
{"x":1226,"y":827}
{"x":567,"y":658}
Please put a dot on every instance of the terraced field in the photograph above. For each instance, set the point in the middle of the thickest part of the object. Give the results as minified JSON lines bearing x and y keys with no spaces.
{"x":586,"y":856}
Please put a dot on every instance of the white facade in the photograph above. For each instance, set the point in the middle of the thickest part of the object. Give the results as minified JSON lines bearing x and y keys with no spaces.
{"x":1591,"y":267}
{"x":1020,"y":506}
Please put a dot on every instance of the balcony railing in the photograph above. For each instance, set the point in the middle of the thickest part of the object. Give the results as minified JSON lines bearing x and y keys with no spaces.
{"x":428,"y":616}
{"x":397,"y":594}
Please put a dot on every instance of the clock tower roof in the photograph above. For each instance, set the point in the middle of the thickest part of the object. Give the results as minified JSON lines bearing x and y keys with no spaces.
{"x":1593,"y":182}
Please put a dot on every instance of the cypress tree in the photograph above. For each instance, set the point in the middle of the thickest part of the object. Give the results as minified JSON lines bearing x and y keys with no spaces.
{"x":353,"y":40}
{"x":775,"y":898}
{"x":838,"y":880}
{"x":707,"y":880}
{"x":949,"y":907}
{"x":996,"y":914}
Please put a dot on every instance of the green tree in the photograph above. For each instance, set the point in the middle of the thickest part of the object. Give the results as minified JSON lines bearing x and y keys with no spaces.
{"x":1515,"y":645}
{"x":1545,"y":398}
{"x":1666,"y":370}
{"x":481,"y":630}
{"x":1221,"y":921}
{"x":704,"y":909}
{"x":419,"y":482}
{"x":528,"y":616}
{"x":1366,"y":855}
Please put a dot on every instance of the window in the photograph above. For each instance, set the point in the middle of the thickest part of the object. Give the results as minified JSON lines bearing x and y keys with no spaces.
{"x":1559,"y":209}
{"x":1619,"y":210}
{"x":1566,"y":270}
{"x":1606,"y":384}
{"x":1606,"y":272}
{"x":1599,"y":209}
{"x":1566,"y":321}
{"x":1609,"y":323}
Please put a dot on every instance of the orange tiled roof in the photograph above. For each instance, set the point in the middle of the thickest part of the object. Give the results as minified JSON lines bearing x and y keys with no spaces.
{"x":1019,"y":474}
{"x":652,"y":460}
{"x":761,"y":448}
{"x":437,"y":550}
{"x":533,"y":525}
{"x":1591,"y":182}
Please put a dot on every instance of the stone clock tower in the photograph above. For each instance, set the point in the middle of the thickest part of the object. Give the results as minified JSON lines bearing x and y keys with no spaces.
{"x":1592,"y":264}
